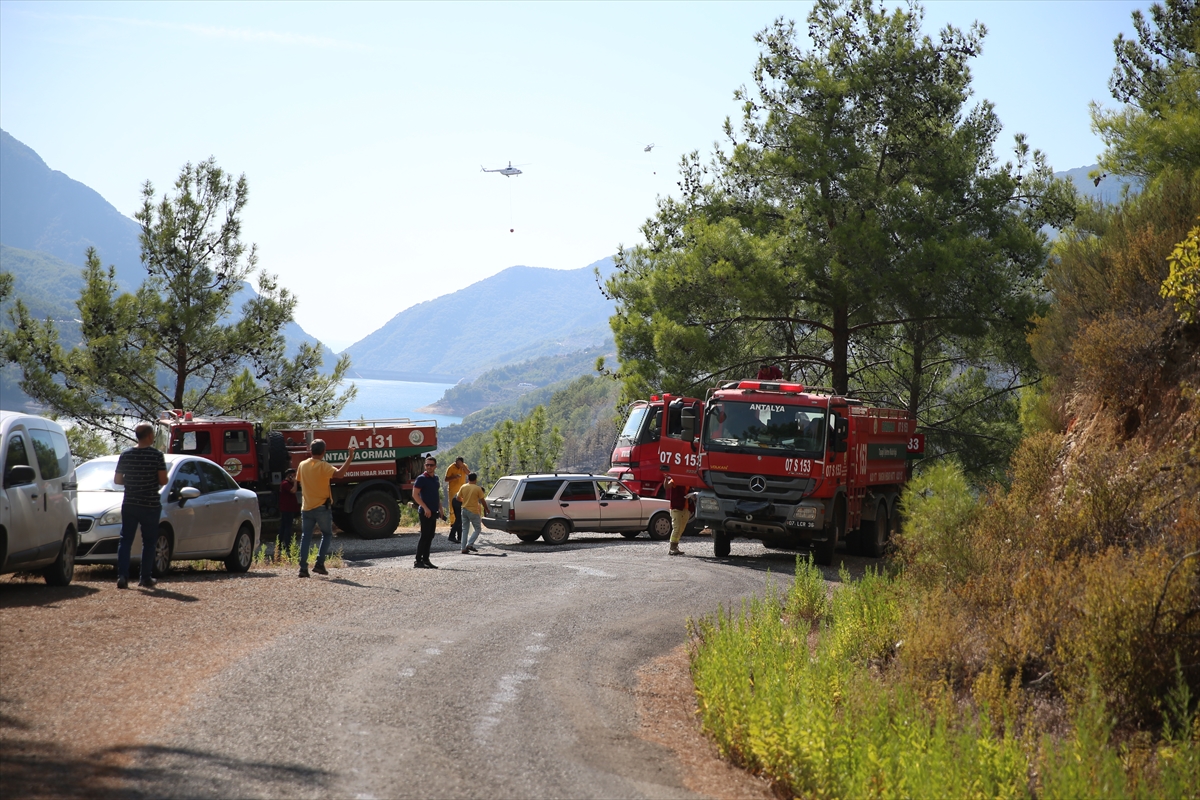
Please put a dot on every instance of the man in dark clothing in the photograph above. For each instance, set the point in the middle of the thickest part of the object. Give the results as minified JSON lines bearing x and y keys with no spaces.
{"x":427,"y":492}
{"x":289,"y":509}
{"x":142,"y":470}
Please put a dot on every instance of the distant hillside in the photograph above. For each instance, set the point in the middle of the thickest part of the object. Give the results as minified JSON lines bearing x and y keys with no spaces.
{"x":518,"y":314}
{"x":1107,"y":191}
{"x":507,"y":383}
{"x":45,"y":211}
{"x":47,"y":222}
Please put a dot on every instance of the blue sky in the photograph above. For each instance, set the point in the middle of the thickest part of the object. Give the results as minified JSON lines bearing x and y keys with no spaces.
{"x":361,"y":128}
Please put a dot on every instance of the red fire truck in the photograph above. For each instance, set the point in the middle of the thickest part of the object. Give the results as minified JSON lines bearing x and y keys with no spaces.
{"x":792,"y":467}
{"x":652,"y":438}
{"x":366,"y":499}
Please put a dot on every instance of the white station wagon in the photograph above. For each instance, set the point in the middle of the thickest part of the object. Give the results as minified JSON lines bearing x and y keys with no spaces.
{"x":552,"y":506}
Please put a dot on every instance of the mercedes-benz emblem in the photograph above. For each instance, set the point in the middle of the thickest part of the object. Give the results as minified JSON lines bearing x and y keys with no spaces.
{"x":758,"y":484}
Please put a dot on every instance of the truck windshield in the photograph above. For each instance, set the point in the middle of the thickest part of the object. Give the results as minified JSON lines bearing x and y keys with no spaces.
{"x":764,"y":425}
{"x":632,"y":425}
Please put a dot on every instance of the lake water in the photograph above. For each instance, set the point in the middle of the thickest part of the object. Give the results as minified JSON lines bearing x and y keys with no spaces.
{"x":394,"y":399}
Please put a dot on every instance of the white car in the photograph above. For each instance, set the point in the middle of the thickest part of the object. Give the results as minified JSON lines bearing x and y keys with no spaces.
{"x":551,"y":506}
{"x":38,"y":530}
{"x":205,"y":515}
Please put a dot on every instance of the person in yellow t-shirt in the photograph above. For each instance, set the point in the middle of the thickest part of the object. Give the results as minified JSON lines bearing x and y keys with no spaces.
{"x":313,"y":475}
{"x":472,"y":506}
{"x":456,"y":476}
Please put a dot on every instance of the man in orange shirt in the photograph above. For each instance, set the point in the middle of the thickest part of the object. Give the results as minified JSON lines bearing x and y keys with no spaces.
{"x":456,"y":476}
{"x":313,"y":475}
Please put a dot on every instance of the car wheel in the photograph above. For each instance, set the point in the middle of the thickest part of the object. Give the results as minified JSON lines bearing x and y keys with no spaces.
{"x":630,"y":534}
{"x":556,"y":532}
{"x":242,"y":555}
{"x":720,"y":543}
{"x":162,"y":553}
{"x":375,"y":515}
{"x":62,"y":570}
{"x":660,"y":527}
{"x":529,"y":537}
{"x":824,"y":551}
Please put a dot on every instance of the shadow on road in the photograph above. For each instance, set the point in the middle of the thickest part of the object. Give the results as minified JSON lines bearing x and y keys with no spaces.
{"x":25,"y":594}
{"x":33,"y":769}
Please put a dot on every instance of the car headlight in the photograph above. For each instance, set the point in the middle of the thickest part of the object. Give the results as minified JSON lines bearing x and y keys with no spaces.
{"x":709,"y":505}
{"x":111,"y":518}
{"x":806,"y":513}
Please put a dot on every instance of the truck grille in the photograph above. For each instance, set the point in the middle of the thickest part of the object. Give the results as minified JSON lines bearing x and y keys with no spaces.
{"x":778,"y":489}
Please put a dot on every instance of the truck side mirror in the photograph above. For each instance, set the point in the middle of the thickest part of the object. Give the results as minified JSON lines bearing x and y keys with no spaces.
{"x":840,"y":430}
{"x":688,"y":422}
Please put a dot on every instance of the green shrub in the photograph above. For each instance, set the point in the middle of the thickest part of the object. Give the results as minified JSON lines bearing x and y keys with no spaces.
{"x":936,"y":506}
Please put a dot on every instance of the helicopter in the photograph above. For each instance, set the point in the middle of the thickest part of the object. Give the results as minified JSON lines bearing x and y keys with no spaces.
{"x":648,"y":148}
{"x":507,"y":172}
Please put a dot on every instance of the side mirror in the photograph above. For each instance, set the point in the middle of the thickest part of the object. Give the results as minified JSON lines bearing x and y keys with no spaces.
{"x":188,"y":493}
{"x":841,"y":429}
{"x":20,"y":475}
{"x":689,"y":426}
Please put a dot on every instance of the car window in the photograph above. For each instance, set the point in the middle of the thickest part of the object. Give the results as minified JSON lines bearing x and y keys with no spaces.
{"x":503,"y":489}
{"x":214,"y":479}
{"x":186,"y":475}
{"x":541,"y":490}
{"x":579,"y":490}
{"x":236,"y":441}
{"x":612,"y":490}
{"x":97,"y":476}
{"x":16,"y":456}
{"x":50,"y":462}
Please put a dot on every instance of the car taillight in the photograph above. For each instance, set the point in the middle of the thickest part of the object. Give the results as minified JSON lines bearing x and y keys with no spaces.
{"x":512,"y":514}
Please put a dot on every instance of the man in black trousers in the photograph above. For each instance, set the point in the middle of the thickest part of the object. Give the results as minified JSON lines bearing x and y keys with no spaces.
{"x":427,"y":493}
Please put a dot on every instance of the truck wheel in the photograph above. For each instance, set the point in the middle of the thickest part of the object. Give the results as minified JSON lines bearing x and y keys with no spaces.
{"x":824,"y":550}
{"x":242,"y":555}
{"x":278,"y":457}
{"x":874,"y":535}
{"x":343,"y":522}
{"x":556,"y":532}
{"x":62,"y":570}
{"x":720,"y":543}
{"x":375,"y":515}
{"x":529,"y":537}
{"x":660,"y":527}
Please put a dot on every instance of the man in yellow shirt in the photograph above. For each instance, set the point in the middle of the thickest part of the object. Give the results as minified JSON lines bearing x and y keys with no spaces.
{"x":456,"y":476}
{"x":313,"y":475}
{"x":472,"y":506}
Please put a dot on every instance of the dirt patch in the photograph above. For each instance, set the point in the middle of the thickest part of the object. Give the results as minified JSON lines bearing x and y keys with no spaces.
{"x":666,"y":704}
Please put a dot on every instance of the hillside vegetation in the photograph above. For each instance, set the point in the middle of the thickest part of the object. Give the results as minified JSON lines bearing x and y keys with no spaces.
{"x":504,"y":384}
{"x":1037,"y":636}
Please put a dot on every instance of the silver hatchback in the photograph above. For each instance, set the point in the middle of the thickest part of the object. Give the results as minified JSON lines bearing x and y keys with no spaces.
{"x":205,"y":515}
{"x":552,"y":506}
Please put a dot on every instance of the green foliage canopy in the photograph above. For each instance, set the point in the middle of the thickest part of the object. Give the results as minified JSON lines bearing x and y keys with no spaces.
{"x":175,"y":343}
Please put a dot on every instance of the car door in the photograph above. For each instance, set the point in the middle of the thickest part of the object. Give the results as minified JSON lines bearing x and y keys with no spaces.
{"x":580,"y":504}
{"x":180,"y":514}
{"x":620,"y":510}
{"x":217,"y":516}
{"x":24,"y":500}
{"x":53,"y":455}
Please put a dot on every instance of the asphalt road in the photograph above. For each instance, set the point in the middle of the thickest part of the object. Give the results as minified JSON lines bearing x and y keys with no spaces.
{"x":507,"y":674}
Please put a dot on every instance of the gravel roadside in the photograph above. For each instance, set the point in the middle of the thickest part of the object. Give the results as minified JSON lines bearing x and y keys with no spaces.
{"x":91,"y":675}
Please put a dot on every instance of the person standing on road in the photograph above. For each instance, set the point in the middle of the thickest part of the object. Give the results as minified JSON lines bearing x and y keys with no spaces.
{"x":677,"y":495}
{"x":289,"y":509}
{"x":456,"y":476}
{"x":473,"y":507}
{"x":316,"y":506}
{"x":142,"y":470}
{"x":427,"y":492}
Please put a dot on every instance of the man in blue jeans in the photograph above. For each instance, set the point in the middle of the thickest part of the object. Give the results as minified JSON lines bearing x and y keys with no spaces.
{"x":142,"y":470}
{"x":313,"y":475}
